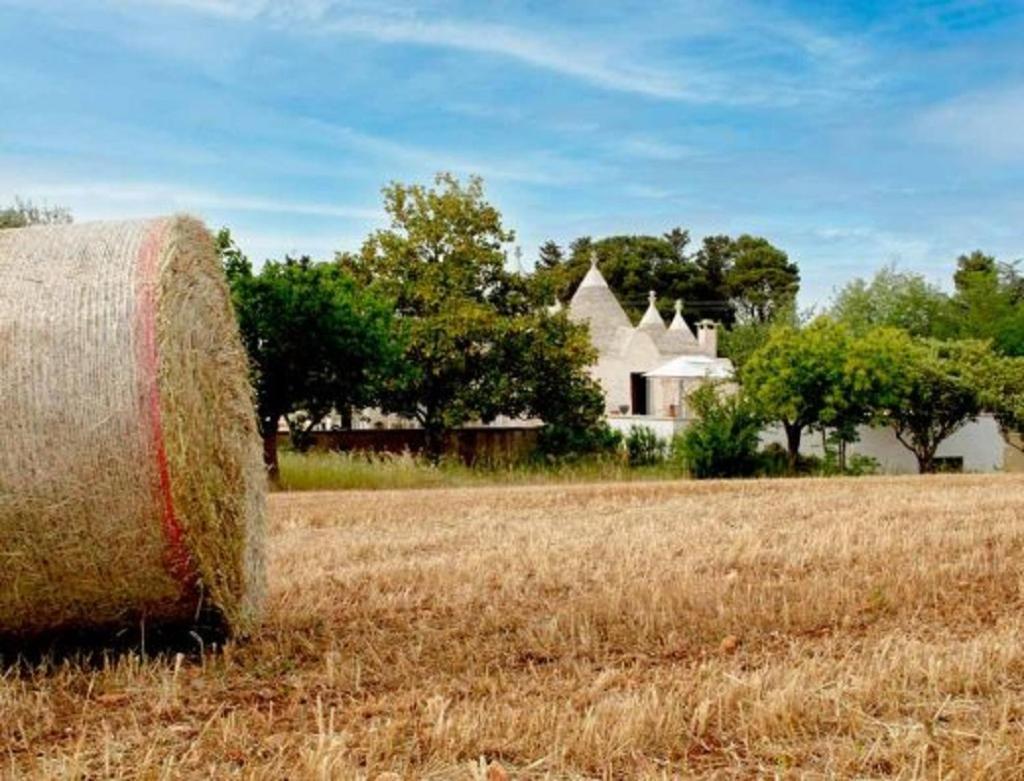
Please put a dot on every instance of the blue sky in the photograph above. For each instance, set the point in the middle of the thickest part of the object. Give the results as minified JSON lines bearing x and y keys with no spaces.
{"x":850,"y":134}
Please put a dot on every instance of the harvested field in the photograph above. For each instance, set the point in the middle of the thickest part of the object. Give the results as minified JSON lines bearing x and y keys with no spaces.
{"x":868,"y":627}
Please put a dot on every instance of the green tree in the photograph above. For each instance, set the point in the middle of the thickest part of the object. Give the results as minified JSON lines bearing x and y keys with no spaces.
{"x":475,"y":345}
{"x":939,"y":393}
{"x":896,"y":299}
{"x":550,"y":255}
{"x":1002,"y":383}
{"x":722,"y":441}
{"x":25,"y":213}
{"x":989,"y":302}
{"x":873,"y":379}
{"x":797,"y":378}
{"x":316,"y":342}
{"x":761,"y":280}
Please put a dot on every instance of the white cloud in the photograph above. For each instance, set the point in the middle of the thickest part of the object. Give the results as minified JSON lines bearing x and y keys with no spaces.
{"x":986,"y":123}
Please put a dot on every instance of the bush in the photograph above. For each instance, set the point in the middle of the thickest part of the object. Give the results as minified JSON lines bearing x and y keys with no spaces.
{"x":567,"y":443}
{"x":643,"y":446}
{"x":723,"y":440}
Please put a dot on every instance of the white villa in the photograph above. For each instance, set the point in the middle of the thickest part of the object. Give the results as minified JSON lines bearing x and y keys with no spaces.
{"x":648,"y":370}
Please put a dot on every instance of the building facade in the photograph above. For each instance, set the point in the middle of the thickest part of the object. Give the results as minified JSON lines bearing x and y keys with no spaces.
{"x":648,"y":370}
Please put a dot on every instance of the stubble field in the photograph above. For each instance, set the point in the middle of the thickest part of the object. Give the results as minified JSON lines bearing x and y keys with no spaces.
{"x":825,"y":628}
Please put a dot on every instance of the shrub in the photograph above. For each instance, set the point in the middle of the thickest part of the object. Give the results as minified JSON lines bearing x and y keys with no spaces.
{"x":644,"y":447}
{"x":567,"y":443}
{"x":723,"y":440}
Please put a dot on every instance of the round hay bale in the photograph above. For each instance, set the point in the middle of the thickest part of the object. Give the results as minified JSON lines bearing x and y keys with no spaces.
{"x":131,"y":484}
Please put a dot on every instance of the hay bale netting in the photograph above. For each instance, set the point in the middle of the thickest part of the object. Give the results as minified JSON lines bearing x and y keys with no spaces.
{"x":131,"y":485}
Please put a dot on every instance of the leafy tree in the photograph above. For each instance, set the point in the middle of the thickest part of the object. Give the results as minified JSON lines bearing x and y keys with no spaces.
{"x":939,"y":393}
{"x":475,"y":345}
{"x":25,"y":213}
{"x":796,"y":378}
{"x":897,"y":299}
{"x":547,"y":358}
{"x":741,"y":341}
{"x":550,"y":255}
{"x":761,"y":281}
{"x":1002,"y":383}
{"x":722,"y":441}
{"x":316,"y":342}
{"x":989,"y":302}
{"x":873,"y":379}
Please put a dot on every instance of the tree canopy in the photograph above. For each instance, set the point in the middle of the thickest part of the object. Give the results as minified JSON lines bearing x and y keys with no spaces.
{"x":316,"y":341}
{"x":475,"y":345}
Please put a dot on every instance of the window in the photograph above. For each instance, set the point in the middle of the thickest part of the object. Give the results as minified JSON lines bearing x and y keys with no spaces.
{"x":949,"y":464}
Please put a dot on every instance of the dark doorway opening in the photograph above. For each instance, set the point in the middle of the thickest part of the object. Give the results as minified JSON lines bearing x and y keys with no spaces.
{"x":638,"y":393}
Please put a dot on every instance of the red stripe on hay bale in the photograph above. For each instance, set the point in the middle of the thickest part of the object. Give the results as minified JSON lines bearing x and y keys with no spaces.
{"x":178,"y":558}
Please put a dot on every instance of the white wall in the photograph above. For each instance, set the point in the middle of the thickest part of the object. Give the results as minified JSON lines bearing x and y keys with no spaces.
{"x":664,"y":428}
{"x":613,"y":371}
{"x":980,"y":445}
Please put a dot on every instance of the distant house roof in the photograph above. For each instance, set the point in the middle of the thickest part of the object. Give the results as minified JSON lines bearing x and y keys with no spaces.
{"x":695,"y":367}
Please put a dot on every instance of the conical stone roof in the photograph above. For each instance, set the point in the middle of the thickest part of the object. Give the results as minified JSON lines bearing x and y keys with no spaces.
{"x":652,"y":318}
{"x":679,"y":338}
{"x":595,"y":304}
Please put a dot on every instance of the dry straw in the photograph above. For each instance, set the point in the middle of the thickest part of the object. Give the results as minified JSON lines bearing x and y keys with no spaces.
{"x":131,"y":487}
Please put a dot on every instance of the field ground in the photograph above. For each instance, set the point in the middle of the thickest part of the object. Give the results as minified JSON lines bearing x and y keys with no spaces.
{"x":813,"y":628}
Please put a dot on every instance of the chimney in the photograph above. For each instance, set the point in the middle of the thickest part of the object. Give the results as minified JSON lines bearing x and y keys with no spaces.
{"x":707,"y":338}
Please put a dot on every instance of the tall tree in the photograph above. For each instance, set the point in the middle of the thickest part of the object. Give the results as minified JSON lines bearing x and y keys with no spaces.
{"x":550,"y":255}
{"x":474,"y":340}
{"x":316,"y":342}
{"x":25,"y":213}
{"x":989,"y":302}
{"x":762,"y":281}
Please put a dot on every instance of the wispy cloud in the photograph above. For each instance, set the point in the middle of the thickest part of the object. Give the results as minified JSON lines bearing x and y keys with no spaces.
{"x":986,"y":122}
{"x":602,"y":61}
{"x":655,"y":149}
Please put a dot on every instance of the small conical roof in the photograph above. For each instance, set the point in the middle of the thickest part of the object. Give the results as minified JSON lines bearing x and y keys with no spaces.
{"x":595,"y":304}
{"x":679,"y":324}
{"x":678,"y":339}
{"x":652,"y":318}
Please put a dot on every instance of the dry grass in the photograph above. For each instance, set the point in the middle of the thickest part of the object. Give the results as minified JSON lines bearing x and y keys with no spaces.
{"x":807,"y":628}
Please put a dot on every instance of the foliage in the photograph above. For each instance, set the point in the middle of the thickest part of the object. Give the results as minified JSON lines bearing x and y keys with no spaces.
{"x":722,"y":275}
{"x":475,"y":346}
{"x":722,"y":441}
{"x":762,"y":281}
{"x":1001,"y":381}
{"x":25,"y":213}
{"x":316,"y":342}
{"x":989,"y":302}
{"x":797,"y":378}
{"x":644,"y":447}
{"x":896,"y":299}
{"x":744,"y":339}
{"x":939,"y":392}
